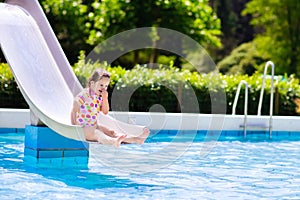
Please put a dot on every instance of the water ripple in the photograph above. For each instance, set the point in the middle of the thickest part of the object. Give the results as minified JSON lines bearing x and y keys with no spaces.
{"x":232,"y":170}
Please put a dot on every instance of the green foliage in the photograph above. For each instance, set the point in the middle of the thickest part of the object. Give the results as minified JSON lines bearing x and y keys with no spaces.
{"x":245,"y":59}
{"x":6,"y":73}
{"x":193,"y":18}
{"x":279,"y":38}
{"x":81,"y":24}
{"x":287,"y":90}
{"x":84,"y":68}
{"x":236,"y":29}
{"x":69,"y":19}
{"x":172,"y":88}
{"x":10,"y":96}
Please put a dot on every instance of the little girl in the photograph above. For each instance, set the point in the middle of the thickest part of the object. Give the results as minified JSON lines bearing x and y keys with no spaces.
{"x":87,"y":106}
{"x":86,"y":109}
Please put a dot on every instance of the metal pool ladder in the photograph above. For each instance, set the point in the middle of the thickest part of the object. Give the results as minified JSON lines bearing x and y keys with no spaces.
{"x":260,"y":99}
{"x":271,"y":95}
{"x":245,"y":103}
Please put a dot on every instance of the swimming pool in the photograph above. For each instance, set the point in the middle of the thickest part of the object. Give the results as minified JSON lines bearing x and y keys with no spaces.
{"x":235,"y":168}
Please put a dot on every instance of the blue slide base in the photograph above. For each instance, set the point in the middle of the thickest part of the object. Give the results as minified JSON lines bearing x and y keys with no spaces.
{"x":43,"y":142}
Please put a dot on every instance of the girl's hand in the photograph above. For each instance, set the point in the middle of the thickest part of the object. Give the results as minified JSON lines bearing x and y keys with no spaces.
{"x":105,"y":104}
{"x":104,"y":94}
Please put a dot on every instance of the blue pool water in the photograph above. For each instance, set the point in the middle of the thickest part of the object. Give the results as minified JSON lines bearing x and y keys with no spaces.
{"x":229,"y":168}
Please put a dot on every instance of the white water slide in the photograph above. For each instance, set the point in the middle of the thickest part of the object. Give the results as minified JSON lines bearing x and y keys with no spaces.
{"x":41,"y":68}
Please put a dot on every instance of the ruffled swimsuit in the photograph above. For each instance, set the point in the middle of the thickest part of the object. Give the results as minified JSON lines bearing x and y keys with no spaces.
{"x":90,"y":106}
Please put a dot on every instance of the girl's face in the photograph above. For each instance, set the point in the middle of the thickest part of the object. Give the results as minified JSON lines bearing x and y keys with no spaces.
{"x":100,"y":85}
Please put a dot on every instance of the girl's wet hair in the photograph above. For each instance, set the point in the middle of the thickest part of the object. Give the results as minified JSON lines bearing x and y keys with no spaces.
{"x":97,"y":75}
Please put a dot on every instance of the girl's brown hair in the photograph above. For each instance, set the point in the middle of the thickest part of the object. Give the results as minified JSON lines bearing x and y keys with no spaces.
{"x":97,"y":75}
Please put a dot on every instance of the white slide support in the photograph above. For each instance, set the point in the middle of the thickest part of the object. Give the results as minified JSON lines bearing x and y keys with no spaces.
{"x":47,"y":83}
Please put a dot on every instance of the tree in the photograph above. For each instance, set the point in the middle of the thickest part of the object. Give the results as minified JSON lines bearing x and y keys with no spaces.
{"x":235,"y":27}
{"x":279,"y":38}
{"x":244,"y":59}
{"x":82,"y":24}
{"x":193,"y":18}
{"x":69,"y":21}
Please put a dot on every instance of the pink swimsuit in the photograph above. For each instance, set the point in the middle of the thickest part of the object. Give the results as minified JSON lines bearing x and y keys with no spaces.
{"x":90,"y":106}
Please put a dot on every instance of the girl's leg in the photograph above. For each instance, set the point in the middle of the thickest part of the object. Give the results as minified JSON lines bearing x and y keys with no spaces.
{"x":135,"y":133}
{"x":107,"y":140}
{"x":107,"y":131}
{"x":90,"y":134}
{"x":140,"y":139}
{"x":137,"y":140}
{"x":130,"y":140}
{"x":93,"y":134}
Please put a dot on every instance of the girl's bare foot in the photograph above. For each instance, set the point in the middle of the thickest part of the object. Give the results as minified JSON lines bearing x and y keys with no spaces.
{"x":119,"y":140}
{"x":141,"y":138}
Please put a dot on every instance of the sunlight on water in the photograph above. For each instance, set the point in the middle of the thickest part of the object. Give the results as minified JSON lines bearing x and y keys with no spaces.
{"x":155,"y":170}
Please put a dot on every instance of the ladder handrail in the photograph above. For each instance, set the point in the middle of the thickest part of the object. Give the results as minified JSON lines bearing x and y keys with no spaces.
{"x":245,"y":103}
{"x":271,"y":95}
{"x":263,"y":88}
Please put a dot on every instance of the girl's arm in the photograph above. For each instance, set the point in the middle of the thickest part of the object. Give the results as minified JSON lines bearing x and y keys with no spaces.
{"x":75,"y":109}
{"x":105,"y":104}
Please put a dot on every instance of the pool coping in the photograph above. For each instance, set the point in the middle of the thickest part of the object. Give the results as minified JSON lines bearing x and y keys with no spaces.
{"x":15,"y":120}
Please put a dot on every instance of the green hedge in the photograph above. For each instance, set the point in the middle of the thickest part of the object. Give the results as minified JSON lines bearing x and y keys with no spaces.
{"x":141,"y":89}
{"x":174,"y":88}
{"x":163,"y":86}
{"x":10,"y":95}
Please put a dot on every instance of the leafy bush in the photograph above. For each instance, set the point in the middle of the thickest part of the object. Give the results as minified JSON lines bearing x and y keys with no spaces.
{"x":176,"y":90}
{"x":286,"y":91}
{"x":83,"y":70}
{"x":245,"y":59}
{"x":10,"y":95}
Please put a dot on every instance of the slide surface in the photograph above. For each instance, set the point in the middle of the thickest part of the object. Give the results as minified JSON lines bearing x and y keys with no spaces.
{"x":33,"y":8}
{"x":40,"y":67}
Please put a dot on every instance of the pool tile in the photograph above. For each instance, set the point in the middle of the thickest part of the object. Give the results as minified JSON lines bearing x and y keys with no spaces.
{"x":42,"y":142}
{"x":8,"y":130}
